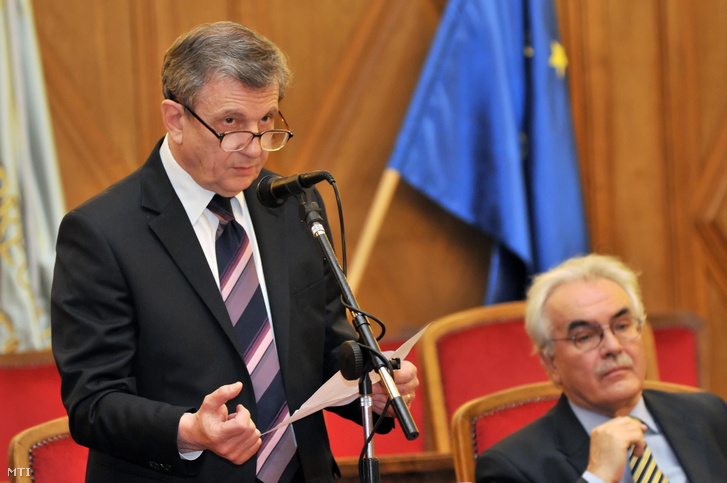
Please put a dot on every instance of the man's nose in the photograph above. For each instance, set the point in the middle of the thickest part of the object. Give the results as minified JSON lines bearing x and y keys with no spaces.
{"x":610,"y":343}
{"x":254,"y":148}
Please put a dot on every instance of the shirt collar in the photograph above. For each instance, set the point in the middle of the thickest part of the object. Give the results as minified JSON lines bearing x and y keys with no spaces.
{"x":590,"y":419}
{"x":194,"y":198}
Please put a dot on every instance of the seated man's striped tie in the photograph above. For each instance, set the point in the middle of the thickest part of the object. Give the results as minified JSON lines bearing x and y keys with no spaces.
{"x":644,"y":468}
{"x":276,"y":460}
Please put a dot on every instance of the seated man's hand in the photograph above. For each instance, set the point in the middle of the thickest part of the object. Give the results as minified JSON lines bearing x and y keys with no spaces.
{"x":406,"y":382}
{"x":232,"y":436}
{"x":609,"y":444}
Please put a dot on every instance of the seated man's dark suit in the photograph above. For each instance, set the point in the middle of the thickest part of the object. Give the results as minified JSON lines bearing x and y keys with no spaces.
{"x":555,"y":448}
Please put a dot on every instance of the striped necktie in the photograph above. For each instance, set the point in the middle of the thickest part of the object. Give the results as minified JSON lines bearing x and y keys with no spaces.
{"x":644,"y":468}
{"x":244,"y":300}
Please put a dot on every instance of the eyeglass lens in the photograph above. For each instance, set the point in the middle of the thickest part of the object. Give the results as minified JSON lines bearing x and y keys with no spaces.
{"x":269,"y":141}
{"x":625,"y":330}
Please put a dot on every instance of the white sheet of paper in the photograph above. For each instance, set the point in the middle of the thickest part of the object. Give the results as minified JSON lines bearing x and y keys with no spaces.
{"x":338,"y":391}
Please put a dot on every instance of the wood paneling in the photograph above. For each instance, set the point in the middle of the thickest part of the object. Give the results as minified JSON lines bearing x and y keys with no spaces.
{"x":650,"y":118}
{"x":647,"y":82}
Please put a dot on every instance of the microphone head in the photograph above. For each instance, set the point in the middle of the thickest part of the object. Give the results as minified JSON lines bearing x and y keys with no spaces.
{"x":273,"y":190}
{"x":265,"y":192}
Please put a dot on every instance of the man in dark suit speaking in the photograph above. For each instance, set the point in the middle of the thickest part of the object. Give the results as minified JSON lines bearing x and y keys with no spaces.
{"x":585,"y":319}
{"x":188,"y":318}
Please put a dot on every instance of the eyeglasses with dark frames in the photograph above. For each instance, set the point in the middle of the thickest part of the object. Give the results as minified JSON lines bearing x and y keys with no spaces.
{"x":233,"y":141}
{"x":589,"y":336}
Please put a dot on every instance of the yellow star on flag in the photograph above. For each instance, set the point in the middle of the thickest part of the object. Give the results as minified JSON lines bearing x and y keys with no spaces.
{"x":558,"y":59}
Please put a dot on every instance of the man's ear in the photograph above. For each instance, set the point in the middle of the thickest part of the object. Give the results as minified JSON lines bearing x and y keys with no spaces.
{"x":172,"y":114}
{"x":548,"y":363}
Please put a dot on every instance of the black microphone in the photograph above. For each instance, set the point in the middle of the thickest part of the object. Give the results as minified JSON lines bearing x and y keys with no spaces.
{"x":274,"y":190}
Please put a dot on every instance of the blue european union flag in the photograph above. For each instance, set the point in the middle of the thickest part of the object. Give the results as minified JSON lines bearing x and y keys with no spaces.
{"x":489,"y":136}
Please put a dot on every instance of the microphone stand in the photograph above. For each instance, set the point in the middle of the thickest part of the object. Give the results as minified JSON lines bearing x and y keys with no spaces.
{"x":310,"y":213}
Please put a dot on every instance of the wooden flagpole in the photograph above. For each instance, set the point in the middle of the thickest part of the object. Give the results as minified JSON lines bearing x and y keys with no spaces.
{"x":375,"y":218}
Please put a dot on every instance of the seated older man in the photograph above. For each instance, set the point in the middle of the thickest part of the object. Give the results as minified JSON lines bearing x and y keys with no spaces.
{"x":585,"y":319}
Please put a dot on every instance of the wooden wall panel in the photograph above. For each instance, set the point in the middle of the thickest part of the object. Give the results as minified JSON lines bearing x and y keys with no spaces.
{"x":650,"y":118}
{"x":707,"y":61}
{"x":87,"y":82}
{"x":623,"y":184}
{"x":681,"y":129}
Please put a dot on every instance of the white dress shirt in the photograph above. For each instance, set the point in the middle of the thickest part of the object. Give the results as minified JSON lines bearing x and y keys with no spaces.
{"x":195,"y":199}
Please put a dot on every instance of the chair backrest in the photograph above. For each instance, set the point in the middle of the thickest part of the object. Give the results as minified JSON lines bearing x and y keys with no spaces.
{"x":28,"y":376}
{"x":480,"y":423}
{"x":470,"y":353}
{"x":46,"y":453}
{"x":479,"y":351}
{"x":682,"y":348}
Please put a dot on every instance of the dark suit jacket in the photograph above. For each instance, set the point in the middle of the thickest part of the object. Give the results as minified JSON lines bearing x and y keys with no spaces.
{"x":555,"y":447}
{"x":141,"y":334}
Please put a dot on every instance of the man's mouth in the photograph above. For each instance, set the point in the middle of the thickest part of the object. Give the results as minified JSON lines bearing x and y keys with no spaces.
{"x":615,"y":370}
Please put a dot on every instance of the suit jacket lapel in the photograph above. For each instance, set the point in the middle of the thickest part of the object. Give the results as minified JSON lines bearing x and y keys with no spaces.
{"x":174,"y":231}
{"x":682,"y":434}
{"x":572,"y":439}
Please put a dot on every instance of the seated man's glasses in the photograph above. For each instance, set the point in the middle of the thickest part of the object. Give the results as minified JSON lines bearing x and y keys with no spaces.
{"x":589,"y":336}
{"x":233,"y":141}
